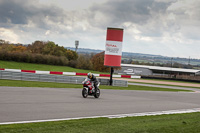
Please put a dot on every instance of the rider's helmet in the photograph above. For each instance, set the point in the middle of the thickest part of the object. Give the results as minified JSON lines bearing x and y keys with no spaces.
{"x":90,"y":75}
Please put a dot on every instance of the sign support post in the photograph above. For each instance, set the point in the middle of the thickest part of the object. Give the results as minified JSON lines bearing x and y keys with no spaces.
{"x":111,"y":73}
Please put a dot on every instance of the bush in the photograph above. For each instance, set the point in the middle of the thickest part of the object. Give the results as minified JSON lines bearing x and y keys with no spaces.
{"x":72,"y":63}
{"x":33,"y":58}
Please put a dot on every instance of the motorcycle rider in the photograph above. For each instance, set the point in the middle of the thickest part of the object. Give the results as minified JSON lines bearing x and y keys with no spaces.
{"x":93,"y":79}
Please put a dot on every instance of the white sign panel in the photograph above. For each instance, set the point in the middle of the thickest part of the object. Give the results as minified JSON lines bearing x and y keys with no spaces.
{"x":113,"y":48}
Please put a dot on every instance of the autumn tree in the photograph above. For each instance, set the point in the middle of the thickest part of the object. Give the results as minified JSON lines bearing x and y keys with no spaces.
{"x":84,"y":62}
{"x":50,"y":48}
{"x":37,"y":52}
{"x":71,"y":55}
{"x":4,"y":42}
{"x":98,"y":62}
{"x":36,"y":47}
{"x":19,"y":48}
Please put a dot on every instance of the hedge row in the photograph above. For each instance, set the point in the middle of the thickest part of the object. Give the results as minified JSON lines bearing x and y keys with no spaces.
{"x":34,"y":58}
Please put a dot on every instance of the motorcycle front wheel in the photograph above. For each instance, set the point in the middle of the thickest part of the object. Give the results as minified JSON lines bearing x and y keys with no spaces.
{"x":84,"y":93}
{"x":97,"y":93}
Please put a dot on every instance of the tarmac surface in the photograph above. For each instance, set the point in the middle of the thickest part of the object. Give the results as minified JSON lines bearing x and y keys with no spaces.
{"x":30,"y":103}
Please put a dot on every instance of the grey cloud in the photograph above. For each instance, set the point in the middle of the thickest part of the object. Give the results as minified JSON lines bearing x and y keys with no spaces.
{"x":149,"y":17}
{"x":135,"y":11}
{"x":23,"y":11}
{"x":13,"y":11}
{"x":187,"y":19}
{"x":116,"y":12}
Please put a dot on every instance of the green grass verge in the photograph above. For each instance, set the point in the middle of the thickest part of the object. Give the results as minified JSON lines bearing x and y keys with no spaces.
{"x":163,"y":84}
{"x":176,"y":81}
{"x":42,"y":67}
{"x":177,"y":123}
{"x":17,"y":83}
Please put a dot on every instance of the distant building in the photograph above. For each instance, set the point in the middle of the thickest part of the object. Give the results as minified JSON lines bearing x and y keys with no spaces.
{"x":144,"y":70}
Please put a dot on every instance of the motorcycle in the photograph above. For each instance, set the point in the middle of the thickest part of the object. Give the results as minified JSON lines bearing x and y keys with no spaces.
{"x":89,"y":89}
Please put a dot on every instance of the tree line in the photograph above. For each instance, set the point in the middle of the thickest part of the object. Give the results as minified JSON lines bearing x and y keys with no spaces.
{"x":47,"y":52}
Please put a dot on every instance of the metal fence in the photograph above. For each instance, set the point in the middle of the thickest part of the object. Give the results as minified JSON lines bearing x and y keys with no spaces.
{"x":54,"y":78}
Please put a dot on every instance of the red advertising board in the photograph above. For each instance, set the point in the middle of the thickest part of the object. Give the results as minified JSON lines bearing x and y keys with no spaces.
{"x":113,"y":48}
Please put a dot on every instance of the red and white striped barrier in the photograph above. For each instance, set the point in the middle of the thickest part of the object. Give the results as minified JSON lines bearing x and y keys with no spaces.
{"x":68,"y":73}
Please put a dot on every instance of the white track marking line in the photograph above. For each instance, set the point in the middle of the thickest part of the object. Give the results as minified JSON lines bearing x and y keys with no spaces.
{"x":112,"y":116}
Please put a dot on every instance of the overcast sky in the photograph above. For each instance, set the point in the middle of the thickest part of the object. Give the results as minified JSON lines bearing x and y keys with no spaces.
{"x":161,"y":27}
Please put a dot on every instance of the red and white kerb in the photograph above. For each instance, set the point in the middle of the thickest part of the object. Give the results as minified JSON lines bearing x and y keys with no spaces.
{"x":113,"y":48}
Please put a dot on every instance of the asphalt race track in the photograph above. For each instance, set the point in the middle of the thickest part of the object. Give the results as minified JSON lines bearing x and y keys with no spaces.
{"x":28,"y":104}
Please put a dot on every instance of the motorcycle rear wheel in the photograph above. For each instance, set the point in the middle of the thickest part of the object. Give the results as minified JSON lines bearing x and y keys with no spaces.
{"x":97,"y":93}
{"x":84,"y":93}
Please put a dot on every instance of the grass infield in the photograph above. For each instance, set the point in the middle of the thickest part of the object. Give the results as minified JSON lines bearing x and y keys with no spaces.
{"x":176,"y":123}
{"x":176,"y":81}
{"x":163,"y":84}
